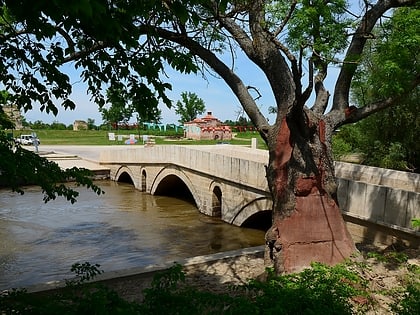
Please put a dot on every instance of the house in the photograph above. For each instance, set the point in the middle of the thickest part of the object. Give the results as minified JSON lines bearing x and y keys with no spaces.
{"x":80,"y":125}
{"x":207,"y":128}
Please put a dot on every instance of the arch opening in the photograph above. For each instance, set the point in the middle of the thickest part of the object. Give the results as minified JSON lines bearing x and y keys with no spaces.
{"x":173,"y":186}
{"x":125,"y":178}
{"x":217,"y":202}
{"x":143,"y":180}
{"x":259,"y":221}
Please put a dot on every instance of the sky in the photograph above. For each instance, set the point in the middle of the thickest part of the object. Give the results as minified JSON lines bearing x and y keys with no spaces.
{"x":215,"y":93}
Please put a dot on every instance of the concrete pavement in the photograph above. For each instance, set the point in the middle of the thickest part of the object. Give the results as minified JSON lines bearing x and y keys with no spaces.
{"x":75,"y":156}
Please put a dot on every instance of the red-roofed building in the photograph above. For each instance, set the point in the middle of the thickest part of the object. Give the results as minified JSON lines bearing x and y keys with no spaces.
{"x":207,"y":128}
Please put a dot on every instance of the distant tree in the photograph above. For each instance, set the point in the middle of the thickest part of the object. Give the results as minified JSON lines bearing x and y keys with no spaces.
{"x":119,"y":109}
{"x":39,"y":124}
{"x":243,"y":121}
{"x":91,"y":124}
{"x":189,"y":107}
{"x":229,"y":122}
{"x":147,"y":114}
{"x":150,"y":113}
{"x":56,"y":125}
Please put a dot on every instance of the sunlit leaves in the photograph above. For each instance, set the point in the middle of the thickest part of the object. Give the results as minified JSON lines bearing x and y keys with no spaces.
{"x":396,"y":58}
{"x":189,"y":107}
{"x":315,"y":26}
{"x":392,"y":61}
{"x":388,"y":69}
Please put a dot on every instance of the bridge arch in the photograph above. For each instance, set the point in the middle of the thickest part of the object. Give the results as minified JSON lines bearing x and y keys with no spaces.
{"x":125,"y":175}
{"x":171,"y":177}
{"x":254,"y":213}
{"x":143,"y":180}
{"x":216,"y":199}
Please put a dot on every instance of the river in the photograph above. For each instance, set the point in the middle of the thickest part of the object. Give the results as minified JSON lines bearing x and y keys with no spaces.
{"x":124,"y":228}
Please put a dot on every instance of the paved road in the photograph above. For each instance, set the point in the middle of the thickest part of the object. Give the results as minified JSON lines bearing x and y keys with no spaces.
{"x":87,"y":152}
{"x":68,"y":156}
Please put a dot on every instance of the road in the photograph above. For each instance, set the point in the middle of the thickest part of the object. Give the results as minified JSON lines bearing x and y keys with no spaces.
{"x":86,"y":152}
{"x":68,"y":156}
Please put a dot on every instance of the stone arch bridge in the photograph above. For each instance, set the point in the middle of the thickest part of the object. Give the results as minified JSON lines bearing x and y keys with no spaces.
{"x":224,"y":181}
{"x":229,"y":182}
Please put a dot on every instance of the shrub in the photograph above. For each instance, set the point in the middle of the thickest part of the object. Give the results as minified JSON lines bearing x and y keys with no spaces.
{"x":410,"y":303}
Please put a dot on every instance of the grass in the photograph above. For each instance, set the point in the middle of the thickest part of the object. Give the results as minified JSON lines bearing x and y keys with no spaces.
{"x":100,"y":137}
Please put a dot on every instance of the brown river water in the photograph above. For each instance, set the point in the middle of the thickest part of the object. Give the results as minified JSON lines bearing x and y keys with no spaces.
{"x":124,"y":228}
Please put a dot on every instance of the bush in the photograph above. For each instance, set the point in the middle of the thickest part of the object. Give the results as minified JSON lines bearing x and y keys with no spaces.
{"x":340,"y":147}
{"x":410,"y":303}
{"x":319,"y":290}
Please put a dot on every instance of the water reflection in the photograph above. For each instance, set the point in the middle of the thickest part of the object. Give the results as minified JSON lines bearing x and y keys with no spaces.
{"x":122,"y":229}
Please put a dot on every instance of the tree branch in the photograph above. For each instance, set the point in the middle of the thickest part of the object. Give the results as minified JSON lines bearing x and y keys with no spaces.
{"x":233,"y":81}
{"x":82,"y":53}
{"x":260,"y":48}
{"x":354,"y":114}
{"x":69,"y":40}
{"x":342,"y":87}
{"x":286,"y":19}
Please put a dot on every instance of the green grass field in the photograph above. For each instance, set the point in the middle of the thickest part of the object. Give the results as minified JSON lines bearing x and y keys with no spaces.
{"x":100,"y":137}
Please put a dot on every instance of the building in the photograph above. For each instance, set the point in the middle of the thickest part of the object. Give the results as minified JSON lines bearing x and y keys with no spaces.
{"x":14,"y":115}
{"x":80,"y":125}
{"x":207,"y":128}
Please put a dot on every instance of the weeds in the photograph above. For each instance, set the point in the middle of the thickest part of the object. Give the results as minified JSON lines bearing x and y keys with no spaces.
{"x":318,"y":290}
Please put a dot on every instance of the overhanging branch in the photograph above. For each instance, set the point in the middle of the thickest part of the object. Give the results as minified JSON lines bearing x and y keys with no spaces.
{"x":232,"y":80}
{"x":357,"y":45}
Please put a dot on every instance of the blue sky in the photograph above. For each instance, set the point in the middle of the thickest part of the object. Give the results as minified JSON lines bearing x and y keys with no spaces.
{"x":217,"y":96}
{"x":215,"y":93}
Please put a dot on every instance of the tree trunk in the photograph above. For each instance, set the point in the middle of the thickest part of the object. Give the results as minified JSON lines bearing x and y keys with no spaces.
{"x":307,"y":223}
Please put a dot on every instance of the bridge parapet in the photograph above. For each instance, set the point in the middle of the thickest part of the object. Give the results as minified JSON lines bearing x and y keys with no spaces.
{"x":238,"y":166}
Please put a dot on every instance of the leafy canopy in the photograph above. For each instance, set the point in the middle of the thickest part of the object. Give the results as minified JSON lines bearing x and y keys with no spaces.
{"x":390,"y":138}
{"x":100,"y":39}
{"x":189,"y":107}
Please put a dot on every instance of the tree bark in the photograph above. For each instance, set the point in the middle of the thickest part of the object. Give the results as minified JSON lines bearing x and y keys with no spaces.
{"x":307,"y":223}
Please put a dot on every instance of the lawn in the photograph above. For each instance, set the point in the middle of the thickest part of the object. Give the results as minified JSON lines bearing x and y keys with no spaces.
{"x":100,"y":137}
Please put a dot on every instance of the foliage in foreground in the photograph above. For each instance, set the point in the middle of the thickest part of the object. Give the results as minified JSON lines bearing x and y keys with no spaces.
{"x":319,"y":290}
{"x":20,"y":167}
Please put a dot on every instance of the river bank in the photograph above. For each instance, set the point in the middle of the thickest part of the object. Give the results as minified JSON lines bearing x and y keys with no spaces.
{"x":387,"y":271}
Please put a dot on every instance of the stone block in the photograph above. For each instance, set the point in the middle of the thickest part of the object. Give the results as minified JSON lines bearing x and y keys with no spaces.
{"x":413,"y":209}
{"x":356,"y":198}
{"x":375,"y":202}
{"x":342,"y":193}
{"x":396,"y":207}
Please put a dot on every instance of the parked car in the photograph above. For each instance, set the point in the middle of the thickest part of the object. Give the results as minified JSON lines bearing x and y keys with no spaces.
{"x":26,"y":140}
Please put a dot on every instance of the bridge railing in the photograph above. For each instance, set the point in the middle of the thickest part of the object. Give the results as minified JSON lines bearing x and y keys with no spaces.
{"x":382,"y":196}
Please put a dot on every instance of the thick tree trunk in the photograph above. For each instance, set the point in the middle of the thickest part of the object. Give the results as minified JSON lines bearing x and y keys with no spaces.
{"x":307,"y":223}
